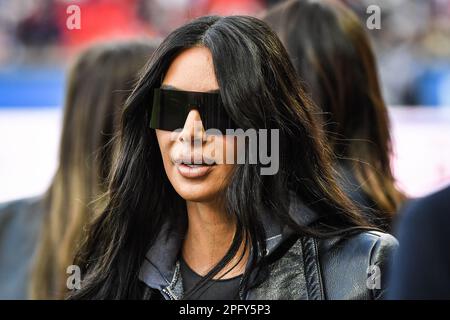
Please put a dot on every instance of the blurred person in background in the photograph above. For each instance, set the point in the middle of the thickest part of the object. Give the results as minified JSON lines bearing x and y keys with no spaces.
{"x":421,"y":269}
{"x":39,"y":236}
{"x":332,"y":54}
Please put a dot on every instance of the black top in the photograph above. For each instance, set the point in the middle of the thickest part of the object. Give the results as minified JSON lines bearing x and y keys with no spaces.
{"x":221,"y":289}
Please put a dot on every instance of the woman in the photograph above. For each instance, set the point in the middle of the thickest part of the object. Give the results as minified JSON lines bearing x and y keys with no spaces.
{"x":176,"y":228}
{"x":331,"y":52}
{"x":98,"y":84}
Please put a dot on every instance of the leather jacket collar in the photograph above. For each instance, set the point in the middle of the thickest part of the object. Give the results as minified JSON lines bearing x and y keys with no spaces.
{"x":160,"y":269}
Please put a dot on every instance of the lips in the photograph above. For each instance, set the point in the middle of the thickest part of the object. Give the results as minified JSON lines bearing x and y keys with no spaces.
{"x":193,"y":171}
{"x":189,"y":169}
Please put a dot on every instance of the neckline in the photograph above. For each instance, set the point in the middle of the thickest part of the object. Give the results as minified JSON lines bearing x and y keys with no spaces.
{"x":186,"y":265}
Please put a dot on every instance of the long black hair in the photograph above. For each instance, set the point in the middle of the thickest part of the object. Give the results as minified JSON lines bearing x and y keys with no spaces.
{"x":260,"y":89}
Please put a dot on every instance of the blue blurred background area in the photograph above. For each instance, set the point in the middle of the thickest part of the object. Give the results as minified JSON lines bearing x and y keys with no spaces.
{"x":36,"y":47}
{"x":31,"y":87}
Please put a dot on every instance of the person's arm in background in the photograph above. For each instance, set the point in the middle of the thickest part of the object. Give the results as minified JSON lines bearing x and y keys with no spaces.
{"x":421,"y":267}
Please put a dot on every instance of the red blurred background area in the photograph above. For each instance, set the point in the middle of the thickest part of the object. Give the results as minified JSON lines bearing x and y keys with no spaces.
{"x":102,"y":20}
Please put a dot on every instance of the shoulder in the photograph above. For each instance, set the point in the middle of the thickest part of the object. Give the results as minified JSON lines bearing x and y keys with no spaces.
{"x":356,"y":266}
{"x":423,"y":231}
{"x":20,"y":221}
{"x":27,"y":208}
{"x":425,"y":216}
{"x":428,"y":211}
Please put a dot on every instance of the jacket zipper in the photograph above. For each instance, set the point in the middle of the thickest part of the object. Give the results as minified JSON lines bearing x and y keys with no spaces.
{"x":169,"y":293}
{"x":167,"y":289}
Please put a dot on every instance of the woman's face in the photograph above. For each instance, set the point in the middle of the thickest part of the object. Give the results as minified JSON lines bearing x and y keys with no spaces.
{"x":193,"y":70}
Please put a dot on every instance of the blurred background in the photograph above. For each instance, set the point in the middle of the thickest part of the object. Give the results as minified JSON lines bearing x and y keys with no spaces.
{"x":36,"y":46}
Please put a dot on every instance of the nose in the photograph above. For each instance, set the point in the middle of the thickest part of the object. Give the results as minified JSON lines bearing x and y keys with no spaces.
{"x":193,"y":128}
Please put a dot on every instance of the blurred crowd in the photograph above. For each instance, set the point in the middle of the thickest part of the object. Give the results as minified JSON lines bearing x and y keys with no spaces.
{"x":411,"y":46}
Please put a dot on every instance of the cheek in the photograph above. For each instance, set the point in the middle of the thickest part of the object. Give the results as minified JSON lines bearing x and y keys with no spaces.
{"x":222,"y":149}
{"x":231,"y":148}
{"x":165,"y":143}
{"x":224,"y":173}
{"x":225,"y":151}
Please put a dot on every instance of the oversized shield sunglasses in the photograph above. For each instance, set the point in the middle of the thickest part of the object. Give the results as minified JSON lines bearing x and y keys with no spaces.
{"x":171,"y":107}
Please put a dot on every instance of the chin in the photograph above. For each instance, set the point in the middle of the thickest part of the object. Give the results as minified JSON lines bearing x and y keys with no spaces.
{"x":196,"y":193}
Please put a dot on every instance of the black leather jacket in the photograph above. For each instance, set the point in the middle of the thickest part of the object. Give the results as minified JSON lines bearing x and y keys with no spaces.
{"x":343,"y":267}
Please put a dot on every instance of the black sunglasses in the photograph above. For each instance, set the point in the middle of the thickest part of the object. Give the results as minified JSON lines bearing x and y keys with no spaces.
{"x":171,"y":108}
